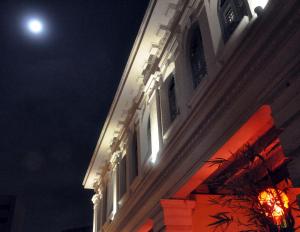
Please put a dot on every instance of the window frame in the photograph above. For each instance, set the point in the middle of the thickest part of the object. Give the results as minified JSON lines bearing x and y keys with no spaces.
{"x":104,"y":206}
{"x":172,"y":98}
{"x":134,"y":146}
{"x":122,"y":178}
{"x":110,"y":196}
{"x":149,"y":137}
{"x":240,"y":8}
{"x":200,"y":58}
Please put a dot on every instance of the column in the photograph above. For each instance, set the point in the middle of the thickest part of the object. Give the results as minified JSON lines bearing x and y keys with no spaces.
{"x":96,"y":201}
{"x":178,"y":215}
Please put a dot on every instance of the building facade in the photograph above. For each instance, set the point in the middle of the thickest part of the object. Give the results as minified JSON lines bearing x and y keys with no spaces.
{"x":207,"y":109}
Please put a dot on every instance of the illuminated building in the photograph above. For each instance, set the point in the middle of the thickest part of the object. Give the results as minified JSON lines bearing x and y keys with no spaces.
{"x":206,"y":81}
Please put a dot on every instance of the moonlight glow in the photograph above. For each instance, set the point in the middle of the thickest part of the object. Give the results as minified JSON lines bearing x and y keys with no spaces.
{"x":35,"y":26}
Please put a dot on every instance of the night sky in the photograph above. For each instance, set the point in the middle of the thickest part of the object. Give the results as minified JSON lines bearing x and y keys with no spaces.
{"x":55,"y":93}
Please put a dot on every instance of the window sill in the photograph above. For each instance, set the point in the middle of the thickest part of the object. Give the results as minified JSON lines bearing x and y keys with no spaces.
{"x":199,"y":91}
{"x":147,"y":166}
{"x":123,"y":199}
{"x":133,"y":186}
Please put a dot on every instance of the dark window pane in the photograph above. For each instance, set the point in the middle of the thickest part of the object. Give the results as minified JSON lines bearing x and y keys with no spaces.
{"x":149,"y":137}
{"x":122,"y":177}
{"x":229,"y":16}
{"x":197,"y":57}
{"x":110,"y":195}
{"x":134,"y":158}
{"x":172,"y":98}
{"x":231,"y":13}
{"x":104,"y":206}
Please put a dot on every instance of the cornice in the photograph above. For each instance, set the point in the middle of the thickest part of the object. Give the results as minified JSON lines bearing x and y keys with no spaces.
{"x":131,"y":59}
{"x":173,"y":11}
{"x":150,"y":71}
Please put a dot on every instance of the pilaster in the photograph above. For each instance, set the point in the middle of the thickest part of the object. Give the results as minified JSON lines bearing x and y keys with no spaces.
{"x":96,"y":201}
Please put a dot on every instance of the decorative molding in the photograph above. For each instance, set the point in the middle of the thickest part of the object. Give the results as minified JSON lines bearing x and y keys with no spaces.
{"x":115,"y":160}
{"x":151,"y":67}
{"x":154,"y":49}
{"x":131,"y":73}
{"x":162,"y":30}
{"x":172,"y":7}
{"x":96,"y":199}
{"x":99,"y":186}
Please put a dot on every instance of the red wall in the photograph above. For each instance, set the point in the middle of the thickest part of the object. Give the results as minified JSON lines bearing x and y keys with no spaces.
{"x":202,"y":216}
{"x":255,"y":127}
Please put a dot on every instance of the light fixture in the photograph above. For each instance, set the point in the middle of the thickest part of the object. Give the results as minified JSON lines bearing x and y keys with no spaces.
{"x":275,"y":204}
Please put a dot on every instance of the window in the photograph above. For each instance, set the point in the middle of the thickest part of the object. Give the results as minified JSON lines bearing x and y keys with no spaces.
{"x":104,"y":206}
{"x":231,"y":13}
{"x":149,"y":144}
{"x":197,"y":57}
{"x":122,"y":177}
{"x":110,"y":196}
{"x":134,"y":157}
{"x":100,"y":211}
{"x":172,"y":98}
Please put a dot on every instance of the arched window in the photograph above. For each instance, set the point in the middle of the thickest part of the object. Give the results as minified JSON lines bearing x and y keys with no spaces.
{"x":231,"y":13}
{"x":172,"y":98}
{"x":197,"y":57}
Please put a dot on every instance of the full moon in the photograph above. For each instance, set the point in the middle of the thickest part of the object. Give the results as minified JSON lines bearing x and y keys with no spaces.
{"x":35,"y":26}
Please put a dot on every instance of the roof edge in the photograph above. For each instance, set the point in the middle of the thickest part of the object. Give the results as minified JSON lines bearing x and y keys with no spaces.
{"x":127,"y":69}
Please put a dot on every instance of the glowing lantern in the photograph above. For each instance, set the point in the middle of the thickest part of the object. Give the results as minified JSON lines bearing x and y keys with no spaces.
{"x":275,"y":203}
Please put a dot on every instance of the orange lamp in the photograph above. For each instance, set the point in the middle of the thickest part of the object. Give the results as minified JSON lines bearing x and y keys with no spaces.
{"x":274,"y":203}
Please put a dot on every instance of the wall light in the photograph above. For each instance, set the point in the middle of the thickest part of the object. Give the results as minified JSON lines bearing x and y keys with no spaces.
{"x":274,"y":203}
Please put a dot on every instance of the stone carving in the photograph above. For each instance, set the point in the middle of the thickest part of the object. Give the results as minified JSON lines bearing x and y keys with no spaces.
{"x":96,"y":199}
